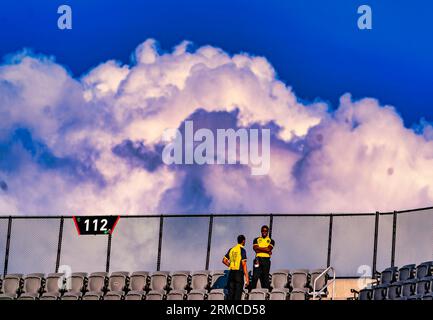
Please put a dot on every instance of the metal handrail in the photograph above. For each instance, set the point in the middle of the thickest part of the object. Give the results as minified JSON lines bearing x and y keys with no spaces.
{"x":324,"y":273}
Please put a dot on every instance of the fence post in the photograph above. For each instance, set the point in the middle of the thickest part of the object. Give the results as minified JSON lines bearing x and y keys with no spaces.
{"x":158,"y":259}
{"x":271,"y":222}
{"x":209,"y":241}
{"x":331,"y":220}
{"x":59,"y":245}
{"x":394,"y":237}
{"x":107,"y":266}
{"x":8,"y":241}
{"x":376,"y":231}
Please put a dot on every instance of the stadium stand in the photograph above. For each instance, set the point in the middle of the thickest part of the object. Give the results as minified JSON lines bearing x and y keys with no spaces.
{"x":410,"y":282}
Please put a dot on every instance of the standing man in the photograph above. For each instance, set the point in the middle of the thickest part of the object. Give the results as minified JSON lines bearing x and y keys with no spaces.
{"x":262,"y":263}
{"x":236,"y":261}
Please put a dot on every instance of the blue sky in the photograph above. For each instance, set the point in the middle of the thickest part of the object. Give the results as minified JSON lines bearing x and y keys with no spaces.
{"x":315,"y":46}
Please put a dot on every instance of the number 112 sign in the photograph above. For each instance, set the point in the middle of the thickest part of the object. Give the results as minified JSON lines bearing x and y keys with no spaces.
{"x":95,"y":225}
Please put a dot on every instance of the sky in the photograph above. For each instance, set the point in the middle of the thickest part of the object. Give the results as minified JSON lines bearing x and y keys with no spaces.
{"x":314,"y":45}
{"x":83,"y":113}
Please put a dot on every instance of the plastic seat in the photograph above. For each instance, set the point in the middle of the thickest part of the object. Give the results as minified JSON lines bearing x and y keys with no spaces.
{"x":406,"y":272}
{"x":180,"y":280}
{"x":216,"y":294}
{"x":200,"y":280}
{"x":299,"y":278}
{"x":280,"y":279}
{"x":389,"y":275}
{"x":176,"y":295}
{"x":135,"y":295}
{"x":258,"y":294}
{"x":155,"y":295}
{"x":298,"y":294}
{"x":197,"y":294}
{"x":139,"y":281}
{"x":118,"y":281}
{"x":33,"y":285}
{"x":12,"y":284}
{"x":279,"y":294}
{"x":365,"y":294}
{"x":159,"y":281}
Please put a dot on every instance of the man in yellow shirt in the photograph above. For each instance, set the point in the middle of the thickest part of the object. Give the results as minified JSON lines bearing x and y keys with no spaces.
{"x":263,"y":247}
{"x":236,"y":261}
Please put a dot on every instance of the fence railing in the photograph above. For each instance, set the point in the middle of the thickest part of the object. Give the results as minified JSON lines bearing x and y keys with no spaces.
{"x":355,"y":244}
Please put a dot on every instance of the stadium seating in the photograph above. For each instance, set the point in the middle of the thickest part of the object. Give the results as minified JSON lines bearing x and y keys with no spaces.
{"x":410,"y":282}
{"x":11,"y":286}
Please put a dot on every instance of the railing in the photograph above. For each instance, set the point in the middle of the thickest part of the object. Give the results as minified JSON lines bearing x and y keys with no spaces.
{"x":317,"y":293}
{"x":355,"y":244}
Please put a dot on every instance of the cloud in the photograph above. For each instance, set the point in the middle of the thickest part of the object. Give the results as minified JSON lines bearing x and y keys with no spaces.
{"x":92,"y":145}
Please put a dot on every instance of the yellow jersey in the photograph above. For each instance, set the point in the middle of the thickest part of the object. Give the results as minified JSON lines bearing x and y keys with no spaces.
{"x":236,"y":255}
{"x":263,"y":243}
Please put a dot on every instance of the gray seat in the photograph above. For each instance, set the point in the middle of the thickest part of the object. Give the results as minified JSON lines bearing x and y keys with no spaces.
{"x":135,"y":295}
{"x":380,"y":292}
{"x":50,"y":296}
{"x":176,"y":295}
{"x":298,"y":294}
{"x":71,"y":296}
{"x":408,"y":288}
{"x":155,"y":295}
{"x":406,"y":272}
{"x":280,"y":279}
{"x":394,"y":291}
{"x":93,"y":295}
{"x":12,"y":284}
{"x":200,"y":280}
{"x":118,"y":281}
{"x":428,"y":296}
{"x":321,"y":282}
{"x":299,"y":278}
{"x":139,"y":281}
{"x":197,"y":294}
{"x":279,"y":294}
{"x":424,"y":270}
{"x":29,"y":296}
{"x":33,"y":285}
{"x":113,"y":295}
{"x":76,"y":282}
{"x":216,"y":294}
{"x":423,"y":286}
{"x":365,"y":294}
{"x":159,"y":281}
{"x":215,"y":276}
{"x":180,"y":280}
{"x":258,"y":294}
{"x":97,"y":282}
{"x":389,"y":275}
{"x":54,"y":285}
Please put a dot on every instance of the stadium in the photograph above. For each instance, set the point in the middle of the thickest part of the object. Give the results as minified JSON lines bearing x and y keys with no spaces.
{"x":308,"y":265}
{"x":218,"y":150}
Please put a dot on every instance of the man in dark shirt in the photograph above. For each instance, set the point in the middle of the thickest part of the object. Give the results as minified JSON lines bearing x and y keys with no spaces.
{"x":236,"y":261}
{"x":263,"y":247}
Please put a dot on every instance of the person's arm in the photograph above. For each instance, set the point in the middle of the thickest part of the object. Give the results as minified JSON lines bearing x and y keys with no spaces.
{"x":244,"y":266}
{"x":226,"y":259}
{"x":271,"y":246}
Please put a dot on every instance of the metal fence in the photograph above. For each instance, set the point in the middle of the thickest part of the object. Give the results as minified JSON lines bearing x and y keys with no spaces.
{"x":354,"y":244}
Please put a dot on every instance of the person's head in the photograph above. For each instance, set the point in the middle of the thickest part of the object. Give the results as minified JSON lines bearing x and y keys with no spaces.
{"x":264,"y":231}
{"x":241,"y":239}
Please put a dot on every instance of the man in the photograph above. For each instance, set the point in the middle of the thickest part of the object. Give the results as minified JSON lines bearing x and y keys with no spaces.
{"x":263,"y":247}
{"x":236,"y":261}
